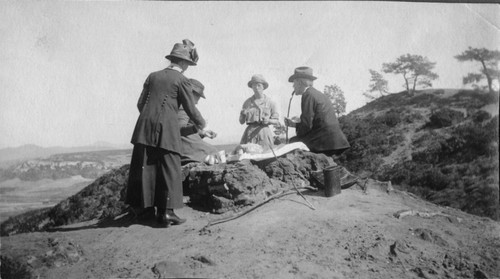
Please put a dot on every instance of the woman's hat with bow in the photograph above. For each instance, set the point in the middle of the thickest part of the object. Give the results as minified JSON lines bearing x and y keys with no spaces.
{"x":185,"y":51}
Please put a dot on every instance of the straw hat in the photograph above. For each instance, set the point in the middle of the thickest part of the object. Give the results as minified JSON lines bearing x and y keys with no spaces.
{"x":258,"y":79}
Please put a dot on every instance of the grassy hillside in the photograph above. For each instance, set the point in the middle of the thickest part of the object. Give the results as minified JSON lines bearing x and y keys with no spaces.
{"x":439,"y":144}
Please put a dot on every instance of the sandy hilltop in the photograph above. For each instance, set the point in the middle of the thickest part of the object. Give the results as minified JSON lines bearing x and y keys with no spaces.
{"x":371,"y":233}
{"x":420,"y":199}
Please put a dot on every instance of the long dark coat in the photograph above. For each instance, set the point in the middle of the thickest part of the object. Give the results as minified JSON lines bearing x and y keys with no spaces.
{"x":155,"y":169}
{"x":319,"y":128}
{"x":164,"y":91}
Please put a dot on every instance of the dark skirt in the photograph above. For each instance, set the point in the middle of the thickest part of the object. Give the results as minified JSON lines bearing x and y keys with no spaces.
{"x":195,"y":149}
{"x":154,"y":178}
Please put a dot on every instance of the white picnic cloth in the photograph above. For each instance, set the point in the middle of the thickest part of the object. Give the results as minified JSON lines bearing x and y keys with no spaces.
{"x":267,"y":155}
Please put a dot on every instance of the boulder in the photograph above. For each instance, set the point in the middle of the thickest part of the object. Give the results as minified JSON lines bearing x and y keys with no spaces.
{"x":222,"y":187}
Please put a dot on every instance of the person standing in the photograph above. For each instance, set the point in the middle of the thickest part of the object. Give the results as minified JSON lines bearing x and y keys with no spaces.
{"x":318,"y":127}
{"x":155,"y":168}
{"x":258,"y":112}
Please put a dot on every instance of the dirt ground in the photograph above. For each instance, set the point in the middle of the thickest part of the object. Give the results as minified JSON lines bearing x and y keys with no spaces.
{"x":356,"y":234}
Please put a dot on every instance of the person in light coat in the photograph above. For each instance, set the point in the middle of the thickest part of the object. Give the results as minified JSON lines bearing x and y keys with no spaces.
{"x":258,"y":113}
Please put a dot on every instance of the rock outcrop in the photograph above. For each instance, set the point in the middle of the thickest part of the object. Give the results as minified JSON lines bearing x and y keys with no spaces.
{"x":216,"y":189}
{"x":223,"y":187}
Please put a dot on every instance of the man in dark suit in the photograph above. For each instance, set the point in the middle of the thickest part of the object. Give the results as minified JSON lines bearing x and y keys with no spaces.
{"x":318,"y":127}
{"x":155,"y":169}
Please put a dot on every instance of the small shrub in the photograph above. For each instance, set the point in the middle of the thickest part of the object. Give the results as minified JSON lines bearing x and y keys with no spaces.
{"x":423,"y":139}
{"x":390,"y":118}
{"x":418,"y":176}
{"x":476,"y":98}
{"x":424,"y":100}
{"x":413,"y":117}
{"x":445,"y":117}
{"x":427,"y":156}
{"x":439,"y":92}
{"x":475,"y":141}
{"x":396,"y":139}
{"x":436,"y":180}
{"x":492,"y":127}
{"x":400,"y":172}
{"x":12,"y":268}
{"x":480,"y":116}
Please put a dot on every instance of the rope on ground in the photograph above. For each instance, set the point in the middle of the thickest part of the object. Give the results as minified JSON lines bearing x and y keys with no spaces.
{"x":279,"y":195}
{"x":276,"y":196}
{"x":301,"y":176}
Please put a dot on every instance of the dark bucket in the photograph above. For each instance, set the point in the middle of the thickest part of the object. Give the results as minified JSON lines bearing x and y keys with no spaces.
{"x":332,"y":180}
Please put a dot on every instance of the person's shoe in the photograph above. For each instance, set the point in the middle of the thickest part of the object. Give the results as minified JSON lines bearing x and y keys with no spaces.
{"x":142,"y":214}
{"x":147,"y":214}
{"x":163,"y":221}
{"x":174,"y":219}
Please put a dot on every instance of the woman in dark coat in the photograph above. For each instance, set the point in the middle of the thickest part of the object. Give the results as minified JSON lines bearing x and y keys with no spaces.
{"x":318,"y":127}
{"x":155,"y":170}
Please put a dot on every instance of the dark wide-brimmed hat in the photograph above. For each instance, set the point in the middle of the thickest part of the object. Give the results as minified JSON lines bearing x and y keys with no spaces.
{"x":302,"y":72}
{"x":197,"y":87}
{"x":185,"y":51}
{"x":258,"y":79}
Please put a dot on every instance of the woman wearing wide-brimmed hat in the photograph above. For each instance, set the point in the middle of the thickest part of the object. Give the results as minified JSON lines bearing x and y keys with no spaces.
{"x":155,"y":168}
{"x":194,"y":148}
{"x":258,"y":112}
{"x":318,"y":127}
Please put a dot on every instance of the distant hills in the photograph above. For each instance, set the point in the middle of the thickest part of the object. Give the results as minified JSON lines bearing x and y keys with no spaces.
{"x":88,"y":164}
{"x":30,"y":151}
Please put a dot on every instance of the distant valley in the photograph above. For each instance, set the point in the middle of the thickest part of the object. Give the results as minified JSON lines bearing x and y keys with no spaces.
{"x":30,"y":151}
{"x":43,"y":182}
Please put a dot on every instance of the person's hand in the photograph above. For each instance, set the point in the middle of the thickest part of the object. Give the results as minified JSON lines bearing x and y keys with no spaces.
{"x":289,"y":122}
{"x":209,"y":134}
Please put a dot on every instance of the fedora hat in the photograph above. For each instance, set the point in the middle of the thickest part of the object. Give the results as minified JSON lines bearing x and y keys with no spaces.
{"x":197,"y":87}
{"x":185,"y":51}
{"x":258,"y":79}
{"x":302,"y":72}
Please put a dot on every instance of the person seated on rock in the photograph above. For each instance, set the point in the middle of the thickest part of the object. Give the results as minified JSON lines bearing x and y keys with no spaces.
{"x":318,"y":127}
{"x":258,"y":112}
{"x":194,"y":148}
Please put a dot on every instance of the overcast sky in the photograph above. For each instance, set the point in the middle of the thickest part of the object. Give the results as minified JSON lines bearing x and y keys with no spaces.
{"x":71,"y":72}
